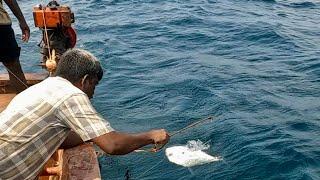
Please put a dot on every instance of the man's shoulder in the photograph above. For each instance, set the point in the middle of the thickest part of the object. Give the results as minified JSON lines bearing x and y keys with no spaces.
{"x":57,"y":84}
{"x":51,"y":90}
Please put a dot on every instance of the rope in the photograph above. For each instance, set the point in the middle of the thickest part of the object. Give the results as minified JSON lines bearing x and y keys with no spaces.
{"x":45,"y":30}
{"x":17,"y":77}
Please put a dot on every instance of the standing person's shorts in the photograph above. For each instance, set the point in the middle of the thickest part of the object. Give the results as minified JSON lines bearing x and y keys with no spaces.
{"x":9,"y":49}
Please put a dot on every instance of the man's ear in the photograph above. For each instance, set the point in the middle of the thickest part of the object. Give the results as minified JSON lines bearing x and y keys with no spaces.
{"x":84,"y":80}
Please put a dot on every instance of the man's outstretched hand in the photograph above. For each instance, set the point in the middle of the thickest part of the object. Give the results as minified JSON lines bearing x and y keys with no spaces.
{"x":160,"y":138}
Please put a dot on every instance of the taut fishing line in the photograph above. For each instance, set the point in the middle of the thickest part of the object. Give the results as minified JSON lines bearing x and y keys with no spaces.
{"x":191,"y":126}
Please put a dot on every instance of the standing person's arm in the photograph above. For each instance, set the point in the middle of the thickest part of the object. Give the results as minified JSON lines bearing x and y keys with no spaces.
{"x":13,"y":5}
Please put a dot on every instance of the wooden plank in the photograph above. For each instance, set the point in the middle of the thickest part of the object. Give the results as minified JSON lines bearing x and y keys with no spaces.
{"x":32,"y":78}
{"x":5,"y":99}
{"x":81,"y":163}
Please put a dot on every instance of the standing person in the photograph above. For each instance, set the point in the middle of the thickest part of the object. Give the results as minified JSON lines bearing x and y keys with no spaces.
{"x":39,"y":119}
{"x":9,"y":49}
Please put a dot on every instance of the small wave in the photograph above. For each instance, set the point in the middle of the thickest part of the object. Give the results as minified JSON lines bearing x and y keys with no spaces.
{"x":300,"y":5}
{"x":308,"y":67}
{"x":300,"y":126}
{"x":262,"y":34}
{"x":185,"y":21}
{"x":267,"y":1}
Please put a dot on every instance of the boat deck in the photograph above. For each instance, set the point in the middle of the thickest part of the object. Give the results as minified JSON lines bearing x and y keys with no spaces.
{"x":4,"y":100}
{"x":7,"y":92}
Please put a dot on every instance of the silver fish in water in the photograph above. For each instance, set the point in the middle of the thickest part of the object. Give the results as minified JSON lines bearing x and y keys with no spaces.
{"x":187,"y":157}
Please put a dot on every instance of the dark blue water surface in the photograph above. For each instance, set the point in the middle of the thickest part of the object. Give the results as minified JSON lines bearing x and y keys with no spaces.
{"x":252,"y":64}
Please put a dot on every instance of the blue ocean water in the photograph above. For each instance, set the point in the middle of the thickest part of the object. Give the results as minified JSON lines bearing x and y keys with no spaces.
{"x":252,"y":64}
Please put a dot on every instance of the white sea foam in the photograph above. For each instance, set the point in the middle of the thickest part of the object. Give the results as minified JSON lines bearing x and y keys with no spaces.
{"x":190,"y":154}
{"x":195,"y":145}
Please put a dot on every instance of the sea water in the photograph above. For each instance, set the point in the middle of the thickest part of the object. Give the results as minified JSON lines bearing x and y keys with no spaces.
{"x":253,"y":65}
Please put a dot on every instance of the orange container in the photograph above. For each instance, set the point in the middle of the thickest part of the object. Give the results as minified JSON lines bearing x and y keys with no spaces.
{"x":54,"y":17}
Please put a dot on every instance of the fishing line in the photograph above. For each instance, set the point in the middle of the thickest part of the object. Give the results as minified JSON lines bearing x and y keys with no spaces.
{"x":17,"y":77}
{"x":176,"y":133}
{"x":150,"y":169}
{"x":190,"y":126}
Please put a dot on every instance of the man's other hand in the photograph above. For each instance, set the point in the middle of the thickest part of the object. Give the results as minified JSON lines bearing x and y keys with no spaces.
{"x":25,"y":31}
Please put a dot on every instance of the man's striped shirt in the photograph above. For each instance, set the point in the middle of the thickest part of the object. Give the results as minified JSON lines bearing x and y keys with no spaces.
{"x":38,"y":120}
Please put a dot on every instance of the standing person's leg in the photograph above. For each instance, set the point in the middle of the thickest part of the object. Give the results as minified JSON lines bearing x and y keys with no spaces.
{"x":9,"y":55}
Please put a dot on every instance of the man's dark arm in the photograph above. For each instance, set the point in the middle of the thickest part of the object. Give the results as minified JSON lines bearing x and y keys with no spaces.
{"x":14,"y":7}
{"x":117,"y":143}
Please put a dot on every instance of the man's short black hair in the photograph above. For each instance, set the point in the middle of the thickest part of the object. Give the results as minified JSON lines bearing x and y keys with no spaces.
{"x":74,"y":64}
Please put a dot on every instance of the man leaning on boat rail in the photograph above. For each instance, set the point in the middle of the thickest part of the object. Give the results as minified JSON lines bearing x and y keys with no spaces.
{"x":39,"y":119}
{"x":9,"y":49}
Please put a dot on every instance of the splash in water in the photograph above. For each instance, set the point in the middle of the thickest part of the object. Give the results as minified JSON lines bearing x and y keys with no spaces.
{"x":195,"y":145}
